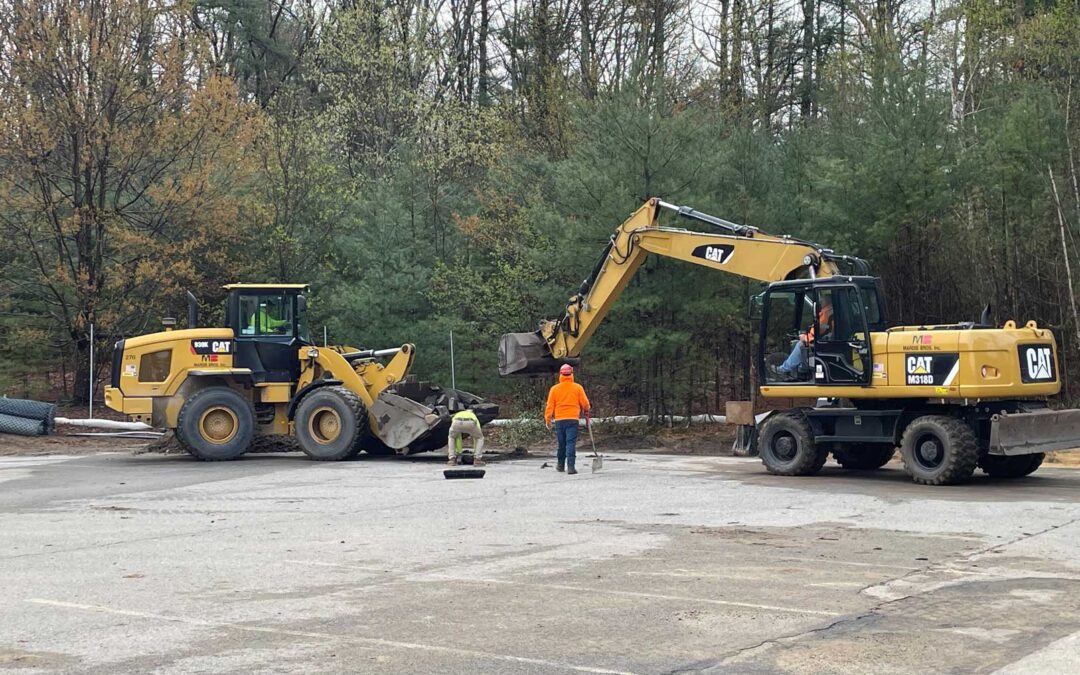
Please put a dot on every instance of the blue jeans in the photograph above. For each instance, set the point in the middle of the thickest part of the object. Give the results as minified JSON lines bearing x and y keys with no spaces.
{"x":797,"y":356}
{"x":566,"y":432}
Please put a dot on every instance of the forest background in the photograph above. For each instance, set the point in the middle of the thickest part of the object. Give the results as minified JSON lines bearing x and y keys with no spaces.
{"x":457,"y":165}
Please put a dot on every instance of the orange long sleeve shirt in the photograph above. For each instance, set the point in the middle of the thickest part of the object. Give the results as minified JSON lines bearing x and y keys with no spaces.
{"x":566,"y":400}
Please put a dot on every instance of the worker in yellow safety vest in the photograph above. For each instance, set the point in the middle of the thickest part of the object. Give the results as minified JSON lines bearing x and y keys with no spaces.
{"x":266,"y":323}
{"x":465,"y":423}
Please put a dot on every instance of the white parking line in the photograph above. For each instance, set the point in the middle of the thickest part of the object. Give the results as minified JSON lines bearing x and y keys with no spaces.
{"x":713,"y":575}
{"x":361,"y":641}
{"x":629,"y":594}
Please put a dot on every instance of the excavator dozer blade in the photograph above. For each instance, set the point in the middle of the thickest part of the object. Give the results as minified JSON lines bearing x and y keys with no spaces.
{"x":401,"y":420}
{"x":527,"y":353}
{"x":1030,"y":432}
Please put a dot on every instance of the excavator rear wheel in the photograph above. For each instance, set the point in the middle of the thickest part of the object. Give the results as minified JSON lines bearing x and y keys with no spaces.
{"x":330,"y":424}
{"x":939,"y":450}
{"x":787,"y":447}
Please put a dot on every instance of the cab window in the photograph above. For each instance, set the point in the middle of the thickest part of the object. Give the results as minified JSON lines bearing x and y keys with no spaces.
{"x":266,"y":315}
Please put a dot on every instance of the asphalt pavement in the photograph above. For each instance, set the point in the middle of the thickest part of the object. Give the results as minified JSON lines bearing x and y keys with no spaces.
{"x":160,"y":564}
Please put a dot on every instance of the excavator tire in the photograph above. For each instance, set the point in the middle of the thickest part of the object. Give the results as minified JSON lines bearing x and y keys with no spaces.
{"x":330,"y":424}
{"x":1016,"y":466}
{"x":787,"y":448}
{"x":939,"y":450}
{"x":863,"y":459}
{"x":216,"y":424}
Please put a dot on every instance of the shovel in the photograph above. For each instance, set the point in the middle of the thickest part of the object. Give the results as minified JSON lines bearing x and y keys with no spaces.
{"x":597,"y":460}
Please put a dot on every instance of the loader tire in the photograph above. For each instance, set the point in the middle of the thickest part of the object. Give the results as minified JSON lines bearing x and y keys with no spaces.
{"x":1017,"y":466}
{"x":787,"y":447}
{"x":864,"y":458}
{"x":939,"y":450}
{"x":216,"y":424}
{"x":330,"y":424}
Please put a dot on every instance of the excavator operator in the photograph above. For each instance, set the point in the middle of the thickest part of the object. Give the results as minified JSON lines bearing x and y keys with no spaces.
{"x":789,"y":367}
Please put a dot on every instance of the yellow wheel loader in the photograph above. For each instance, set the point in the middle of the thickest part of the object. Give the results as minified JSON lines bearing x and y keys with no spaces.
{"x":218,"y":388}
{"x":953,"y":397}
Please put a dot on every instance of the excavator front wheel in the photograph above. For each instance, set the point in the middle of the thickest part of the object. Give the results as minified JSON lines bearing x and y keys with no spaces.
{"x":786,"y":445}
{"x":330,"y":424}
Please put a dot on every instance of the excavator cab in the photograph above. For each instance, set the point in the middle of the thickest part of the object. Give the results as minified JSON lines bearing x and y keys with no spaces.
{"x":817,"y":331}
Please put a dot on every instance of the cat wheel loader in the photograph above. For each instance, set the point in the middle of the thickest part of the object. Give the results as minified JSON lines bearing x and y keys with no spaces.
{"x":217,"y":388}
{"x":952,"y":397}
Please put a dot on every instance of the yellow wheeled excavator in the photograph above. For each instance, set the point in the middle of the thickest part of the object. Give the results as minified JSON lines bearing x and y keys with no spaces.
{"x":953,"y":397}
{"x":218,"y":388}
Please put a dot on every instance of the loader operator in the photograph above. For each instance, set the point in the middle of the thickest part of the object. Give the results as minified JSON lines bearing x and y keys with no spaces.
{"x":265,"y":323}
{"x":565,"y":403}
{"x":789,"y":367}
{"x":465,"y":423}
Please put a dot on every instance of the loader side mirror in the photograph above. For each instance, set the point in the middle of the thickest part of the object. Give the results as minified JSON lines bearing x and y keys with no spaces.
{"x":301,"y":307}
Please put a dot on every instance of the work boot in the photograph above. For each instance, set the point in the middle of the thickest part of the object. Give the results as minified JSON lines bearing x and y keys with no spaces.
{"x":560,"y":468}
{"x":452,"y":461}
{"x":571,"y":470}
{"x":478,"y":462}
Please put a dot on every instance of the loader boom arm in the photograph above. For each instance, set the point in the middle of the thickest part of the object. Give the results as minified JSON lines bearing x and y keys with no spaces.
{"x":736,"y":249}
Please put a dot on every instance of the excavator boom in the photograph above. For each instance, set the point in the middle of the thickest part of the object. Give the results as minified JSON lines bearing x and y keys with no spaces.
{"x":737,"y":249}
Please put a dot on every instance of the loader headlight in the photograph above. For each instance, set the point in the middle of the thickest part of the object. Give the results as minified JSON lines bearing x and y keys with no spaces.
{"x":313,"y":353}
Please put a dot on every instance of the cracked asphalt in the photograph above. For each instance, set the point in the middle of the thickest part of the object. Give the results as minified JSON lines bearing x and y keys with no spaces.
{"x":657,"y":564}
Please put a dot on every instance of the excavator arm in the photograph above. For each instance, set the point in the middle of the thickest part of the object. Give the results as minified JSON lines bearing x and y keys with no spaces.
{"x":737,"y":249}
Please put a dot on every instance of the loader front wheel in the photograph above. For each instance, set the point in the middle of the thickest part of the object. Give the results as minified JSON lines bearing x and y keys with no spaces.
{"x":787,"y":447}
{"x":939,"y":450}
{"x":330,"y":424}
{"x":216,"y":424}
{"x":1016,"y":466}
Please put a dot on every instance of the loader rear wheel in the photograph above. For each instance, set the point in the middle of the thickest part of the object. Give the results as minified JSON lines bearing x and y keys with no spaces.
{"x":787,"y":447}
{"x":863,"y":459}
{"x":330,"y":424}
{"x":216,"y":424}
{"x":939,"y":450}
{"x":1017,"y":466}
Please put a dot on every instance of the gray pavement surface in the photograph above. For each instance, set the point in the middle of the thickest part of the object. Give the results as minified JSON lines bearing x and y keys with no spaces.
{"x":160,"y":564}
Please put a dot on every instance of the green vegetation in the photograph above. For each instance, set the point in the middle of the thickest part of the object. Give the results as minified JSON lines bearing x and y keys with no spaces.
{"x":431,"y":167}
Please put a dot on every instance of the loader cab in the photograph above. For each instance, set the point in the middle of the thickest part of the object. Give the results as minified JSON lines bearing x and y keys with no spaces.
{"x":817,"y":331}
{"x":269,"y":322}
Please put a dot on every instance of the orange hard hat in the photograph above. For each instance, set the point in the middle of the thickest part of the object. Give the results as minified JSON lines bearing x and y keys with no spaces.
{"x":566,"y":369}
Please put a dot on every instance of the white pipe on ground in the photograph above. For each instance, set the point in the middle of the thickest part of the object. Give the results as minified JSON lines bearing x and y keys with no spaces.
{"x":105,"y":424}
{"x":622,"y":419}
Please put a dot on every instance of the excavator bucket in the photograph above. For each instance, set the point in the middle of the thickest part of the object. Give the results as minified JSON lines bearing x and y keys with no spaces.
{"x":1038,"y":431}
{"x":525,"y":353}
{"x":401,"y":420}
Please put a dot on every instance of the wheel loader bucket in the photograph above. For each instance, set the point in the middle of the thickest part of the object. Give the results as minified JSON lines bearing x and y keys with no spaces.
{"x":525,"y":353}
{"x":400,"y":421}
{"x":1031,"y":432}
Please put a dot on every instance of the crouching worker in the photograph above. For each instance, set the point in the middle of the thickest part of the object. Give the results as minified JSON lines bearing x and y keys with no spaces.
{"x":465,"y":423}
{"x":565,"y":403}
